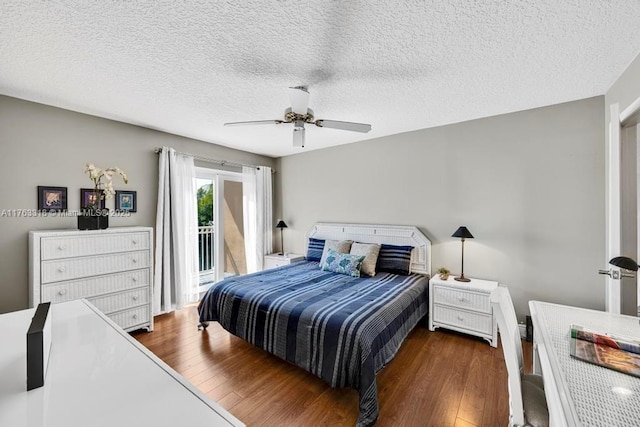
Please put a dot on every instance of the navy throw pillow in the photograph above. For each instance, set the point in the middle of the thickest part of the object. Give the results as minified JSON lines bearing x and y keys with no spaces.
{"x":314,"y":251}
{"x":395,"y":259}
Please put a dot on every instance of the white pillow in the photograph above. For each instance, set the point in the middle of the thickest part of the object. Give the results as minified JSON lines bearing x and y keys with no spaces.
{"x":340,"y":246}
{"x":370,"y":251}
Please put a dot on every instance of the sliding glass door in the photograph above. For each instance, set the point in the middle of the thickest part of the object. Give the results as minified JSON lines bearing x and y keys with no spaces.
{"x":220,"y":226}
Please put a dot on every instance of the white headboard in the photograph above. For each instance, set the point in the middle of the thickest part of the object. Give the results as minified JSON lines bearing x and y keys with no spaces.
{"x":400,"y":235}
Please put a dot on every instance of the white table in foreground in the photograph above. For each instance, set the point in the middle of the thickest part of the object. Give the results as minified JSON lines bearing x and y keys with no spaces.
{"x":579,"y":393}
{"x":98,"y":376}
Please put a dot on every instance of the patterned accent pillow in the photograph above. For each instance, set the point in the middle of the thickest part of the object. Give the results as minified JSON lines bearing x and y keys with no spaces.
{"x":370,"y":251}
{"x":395,"y":259}
{"x":314,"y":250}
{"x":340,"y":246}
{"x":342,"y":263}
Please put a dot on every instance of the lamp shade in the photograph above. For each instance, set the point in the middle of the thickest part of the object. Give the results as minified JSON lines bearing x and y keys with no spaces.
{"x":462,"y":232}
{"x":281,"y":224}
{"x":624,"y":262}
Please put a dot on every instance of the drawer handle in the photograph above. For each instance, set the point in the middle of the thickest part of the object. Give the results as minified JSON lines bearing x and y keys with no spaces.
{"x":133,"y":279}
{"x":62,"y":291}
{"x":460,"y":318}
{"x":135,"y":298}
{"x":462,"y":299}
{"x":62,"y":269}
{"x":135,"y":242}
{"x":135,"y":316}
{"x":62,"y":247}
{"x":134,"y":260}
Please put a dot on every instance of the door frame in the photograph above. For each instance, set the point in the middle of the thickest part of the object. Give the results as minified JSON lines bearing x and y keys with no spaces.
{"x":617,"y":120}
{"x":218,"y":177}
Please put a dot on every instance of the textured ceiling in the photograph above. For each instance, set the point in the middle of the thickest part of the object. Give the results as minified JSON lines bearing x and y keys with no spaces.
{"x":186,"y":67}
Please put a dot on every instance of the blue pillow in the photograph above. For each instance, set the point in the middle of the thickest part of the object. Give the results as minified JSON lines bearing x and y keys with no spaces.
{"x":343,"y":263}
{"x":395,"y":259}
{"x":314,"y":251}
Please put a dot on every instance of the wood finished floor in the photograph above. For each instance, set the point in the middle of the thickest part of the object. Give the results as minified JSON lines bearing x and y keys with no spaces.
{"x":437,"y":379}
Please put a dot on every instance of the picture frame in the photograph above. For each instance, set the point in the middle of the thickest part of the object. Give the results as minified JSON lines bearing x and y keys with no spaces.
{"x":88,"y":197}
{"x":126,"y":201}
{"x":52,"y":199}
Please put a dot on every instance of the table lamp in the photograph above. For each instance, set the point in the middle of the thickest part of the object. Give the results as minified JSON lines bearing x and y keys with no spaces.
{"x":281,"y":225}
{"x":463,"y":233}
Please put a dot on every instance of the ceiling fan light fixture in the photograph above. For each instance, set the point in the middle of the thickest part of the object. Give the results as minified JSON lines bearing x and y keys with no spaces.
{"x":299,"y":97}
{"x":298,"y":136}
{"x":299,"y":114}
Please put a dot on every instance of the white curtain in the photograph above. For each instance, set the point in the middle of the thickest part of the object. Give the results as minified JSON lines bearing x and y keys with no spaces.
{"x":176,"y":268}
{"x":258,"y":216}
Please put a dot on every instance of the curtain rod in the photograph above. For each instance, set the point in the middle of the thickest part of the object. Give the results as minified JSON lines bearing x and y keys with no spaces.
{"x":158,"y":150}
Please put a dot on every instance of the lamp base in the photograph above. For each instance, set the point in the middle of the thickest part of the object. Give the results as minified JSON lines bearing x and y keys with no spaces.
{"x":461,"y":279}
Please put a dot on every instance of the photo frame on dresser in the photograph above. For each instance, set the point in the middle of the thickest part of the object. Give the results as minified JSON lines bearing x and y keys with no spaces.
{"x":52,"y":199}
{"x":126,"y":201}
{"x":90,"y":198}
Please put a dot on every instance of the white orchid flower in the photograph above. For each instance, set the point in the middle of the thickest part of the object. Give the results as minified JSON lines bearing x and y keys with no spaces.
{"x":105,"y":189}
{"x":108,"y":190}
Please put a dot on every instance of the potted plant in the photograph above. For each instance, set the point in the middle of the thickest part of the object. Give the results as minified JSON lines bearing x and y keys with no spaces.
{"x":92,"y":217}
{"x":444,"y":273}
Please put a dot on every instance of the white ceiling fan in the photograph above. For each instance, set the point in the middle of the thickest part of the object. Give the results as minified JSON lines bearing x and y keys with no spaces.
{"x":299,"y":114}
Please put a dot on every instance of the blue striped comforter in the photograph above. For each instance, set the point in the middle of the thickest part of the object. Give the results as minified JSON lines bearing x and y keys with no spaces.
{"x":340,"y":328}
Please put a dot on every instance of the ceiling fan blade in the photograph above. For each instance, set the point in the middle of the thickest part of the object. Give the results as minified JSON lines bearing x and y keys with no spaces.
{"x":255,"y":122}
{"x":298,"y":137}
{"x":299,"y":97}
{"x":335,"y":124}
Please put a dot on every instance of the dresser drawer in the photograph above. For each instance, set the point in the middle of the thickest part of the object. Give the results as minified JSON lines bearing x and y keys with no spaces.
{"x":92,"y":244}
{"x":73,"y":268}
{"x":121,"y":300}
{"x":477,"y":322}
{"x":95,"y":286}
{"x":468,"y":300}
{"x":132,"y":317}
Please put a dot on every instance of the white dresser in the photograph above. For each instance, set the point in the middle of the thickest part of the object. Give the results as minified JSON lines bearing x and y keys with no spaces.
{"x":111,"y":268}
{"x":463,"y":307}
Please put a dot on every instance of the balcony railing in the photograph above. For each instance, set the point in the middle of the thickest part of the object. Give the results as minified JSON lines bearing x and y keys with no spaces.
{"x":205,"y":253}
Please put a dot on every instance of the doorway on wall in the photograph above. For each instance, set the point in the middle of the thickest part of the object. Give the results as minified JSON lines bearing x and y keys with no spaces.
{"x":623,"y":221}
{"x":629,"y":186}
{"x":221,"y":250}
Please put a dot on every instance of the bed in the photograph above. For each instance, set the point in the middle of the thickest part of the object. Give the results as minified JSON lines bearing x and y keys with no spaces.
{"x":340,"y":328}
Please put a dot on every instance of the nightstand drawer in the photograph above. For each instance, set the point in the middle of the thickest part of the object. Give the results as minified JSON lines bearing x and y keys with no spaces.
{"x":462,"y":298}
{"x":478,"y":322}
{"x":273,"y":263}
{"x":276,"y":260}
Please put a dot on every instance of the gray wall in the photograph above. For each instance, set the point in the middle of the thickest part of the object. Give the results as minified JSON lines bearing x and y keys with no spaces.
{"x":43,"y":145}
{"x":528,"y":185}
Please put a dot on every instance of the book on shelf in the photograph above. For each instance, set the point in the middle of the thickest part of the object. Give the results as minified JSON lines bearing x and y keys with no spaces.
{"x":617,"y":352}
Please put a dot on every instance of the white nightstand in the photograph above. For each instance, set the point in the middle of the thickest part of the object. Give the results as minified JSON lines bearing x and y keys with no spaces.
{"x":275,"y":260}
{"x":463,"y":307}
